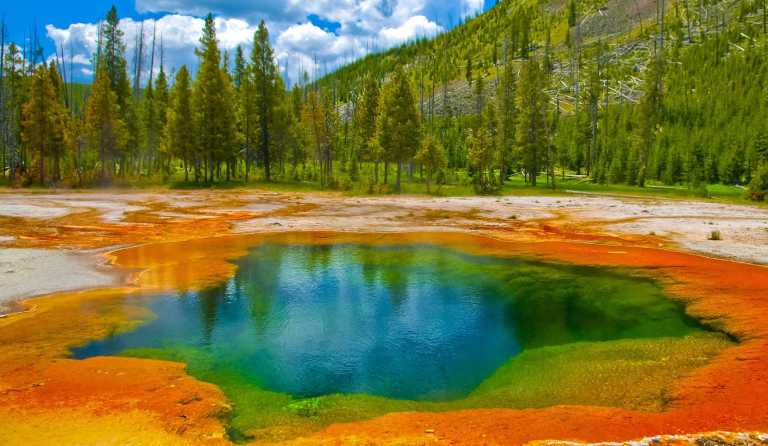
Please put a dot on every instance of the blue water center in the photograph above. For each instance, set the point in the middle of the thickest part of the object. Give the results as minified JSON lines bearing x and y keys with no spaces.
{"x":409,"y":322}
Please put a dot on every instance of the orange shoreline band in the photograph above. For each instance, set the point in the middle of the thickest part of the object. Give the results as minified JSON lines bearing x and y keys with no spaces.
{"x":730,"y":393}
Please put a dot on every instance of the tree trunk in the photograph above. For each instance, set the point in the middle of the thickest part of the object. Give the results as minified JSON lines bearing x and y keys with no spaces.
{"x":399,"y":168}
{"x":42,"y":168}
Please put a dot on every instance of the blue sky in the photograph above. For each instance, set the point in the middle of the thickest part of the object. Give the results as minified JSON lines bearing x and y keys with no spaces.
{"x":330,"y":32}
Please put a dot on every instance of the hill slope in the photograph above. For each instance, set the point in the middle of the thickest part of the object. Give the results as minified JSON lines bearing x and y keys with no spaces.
{"x":513,"y":29}
{"x":705,"y":64}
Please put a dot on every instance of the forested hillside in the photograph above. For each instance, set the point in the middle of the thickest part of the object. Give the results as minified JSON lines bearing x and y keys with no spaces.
{"x":628,"y":92}
{"x":632,"y":94}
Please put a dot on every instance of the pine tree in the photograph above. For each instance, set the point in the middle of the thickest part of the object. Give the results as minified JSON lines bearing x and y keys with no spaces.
{"x":432,"y":156}
{"x":481,"y":158}
{"x":105,"y":131}
{"x":531,"y":125}
{"x":572,"y":17}
{"x":316,"y":131}
{"x":179,"y":137}
{"x":62,"y":119}
{"x":111,"y":58}
{"x":650,"y":114}
{"x":248,"y":109}
{"x":479,"y":98}
{"x":265,"y":74}
{"x":213,"y":112}
{"x":240,"y":67}
{"x":366,"y":112}
{"x":43,"y":125}
{"x":282,"y":127}
{"x":398,"y":122}
{"x":331,"y":123}
{"x":593,"y":93}
{"x":161,"y":110}
{"x":507,"y":112}
{"x":482,"y":150}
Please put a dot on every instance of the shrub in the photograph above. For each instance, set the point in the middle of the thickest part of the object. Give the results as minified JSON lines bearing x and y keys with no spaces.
{"x":758,"y":187}
{"x":700,"y":191}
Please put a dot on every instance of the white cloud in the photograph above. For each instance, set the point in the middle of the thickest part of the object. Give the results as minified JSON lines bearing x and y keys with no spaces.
{"x":362,"y":25}
{"x":179,"y":35}
{"x":417,"y":26}
{"x":359,"y":26}
{"x":471,"y":7}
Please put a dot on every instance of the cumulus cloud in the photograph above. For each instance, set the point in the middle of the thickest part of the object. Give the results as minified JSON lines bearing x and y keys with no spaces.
{"x":297,"y":29}
{"x":362,"y":25}
{"x":178,"y":35}
{"x":417,"y":26}
{"x":471,"y":7}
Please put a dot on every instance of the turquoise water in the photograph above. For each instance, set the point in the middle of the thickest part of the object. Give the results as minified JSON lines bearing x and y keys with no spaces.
{"x":407,"y":322}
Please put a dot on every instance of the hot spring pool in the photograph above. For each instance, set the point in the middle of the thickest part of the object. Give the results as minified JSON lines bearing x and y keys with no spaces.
{"x":416,"y":322}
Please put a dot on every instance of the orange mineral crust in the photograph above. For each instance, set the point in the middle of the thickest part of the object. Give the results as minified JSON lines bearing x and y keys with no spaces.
{"x":48,"y":398}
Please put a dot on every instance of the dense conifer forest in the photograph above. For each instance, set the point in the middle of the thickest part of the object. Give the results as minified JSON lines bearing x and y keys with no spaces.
{"x":540,"y":92}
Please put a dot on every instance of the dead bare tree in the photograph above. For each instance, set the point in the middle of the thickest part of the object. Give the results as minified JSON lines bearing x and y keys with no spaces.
{"x":152,"y":56}
{"x":3,"y":127}
{"x":138,"y":59}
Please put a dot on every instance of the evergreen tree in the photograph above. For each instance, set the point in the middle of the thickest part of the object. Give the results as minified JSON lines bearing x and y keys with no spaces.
{"x":105,"y":131}
{"x":398,"y":122}
{"x":650,"y":114}
{"x":366,"y":112}
{"x":572,"y":17}
{"x":479,"y":98}
{"x":179,"y":138}
{"x":507,"y":112}
{"x":483,"y":152}
{"x":531,"y":125}
{"x":111,"y":57}
{"x":44,"y":125}
{"x":265,"y":74}
{"x":758,"y":187}
{"x":482,"y":158}
{"x":593,"y":93}
{"x":213,"y":113}
{"x":282,"y":128}
{"x":317,"y":132}
{"x":248,"y":121}
{"x":331,"y":122}
{"x":161,"y":103}
{"x":432,"y":156}
{"x":240,"y":67}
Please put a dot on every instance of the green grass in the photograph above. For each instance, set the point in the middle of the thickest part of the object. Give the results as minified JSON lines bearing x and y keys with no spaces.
{"x":460,"y":185}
